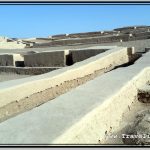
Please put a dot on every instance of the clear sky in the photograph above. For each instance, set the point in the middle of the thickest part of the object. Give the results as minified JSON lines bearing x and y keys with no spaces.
{"x":43,"y":20}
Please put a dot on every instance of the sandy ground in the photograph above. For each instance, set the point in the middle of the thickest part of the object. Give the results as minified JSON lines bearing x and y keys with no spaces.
{"x":10,"y":76}
{"x":127,"y":119}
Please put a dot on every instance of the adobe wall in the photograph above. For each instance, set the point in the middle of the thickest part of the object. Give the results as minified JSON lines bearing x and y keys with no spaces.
{"x":46,"y":59}
{"x":117,"y":35}
{"x":10,"y":59}
{"x":59,"y":36}
{"x":80,"y":55}
{"x":94,"y":40}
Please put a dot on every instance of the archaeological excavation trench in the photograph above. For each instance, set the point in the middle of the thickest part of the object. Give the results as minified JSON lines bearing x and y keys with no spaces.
{"x":78,"y":100}
{"x":86,"y":114}
{"x":94,"y":66}
{"x":67,"y":89}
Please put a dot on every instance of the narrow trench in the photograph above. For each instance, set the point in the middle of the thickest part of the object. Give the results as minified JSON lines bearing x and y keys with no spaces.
{"x":37,"y":99}
{"x":131,"y":62}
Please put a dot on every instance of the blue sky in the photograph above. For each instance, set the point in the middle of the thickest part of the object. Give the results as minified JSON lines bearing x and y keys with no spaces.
{"x":44,"y":20}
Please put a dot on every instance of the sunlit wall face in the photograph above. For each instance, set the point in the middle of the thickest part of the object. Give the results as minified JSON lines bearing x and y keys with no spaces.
{"x":44,"y":20}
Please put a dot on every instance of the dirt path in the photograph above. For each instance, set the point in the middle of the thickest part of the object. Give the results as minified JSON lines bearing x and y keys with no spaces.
{"x":10,"y":76}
